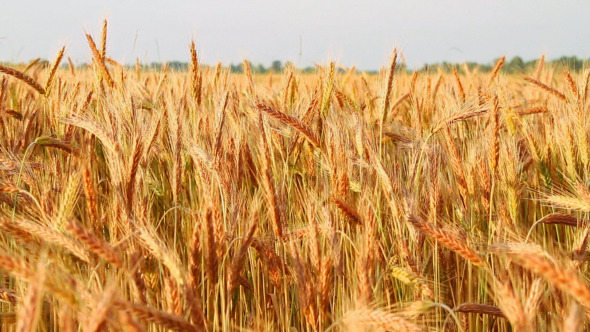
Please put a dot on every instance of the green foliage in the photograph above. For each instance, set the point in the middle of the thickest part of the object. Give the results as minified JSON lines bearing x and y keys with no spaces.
{"x":516,"y":65}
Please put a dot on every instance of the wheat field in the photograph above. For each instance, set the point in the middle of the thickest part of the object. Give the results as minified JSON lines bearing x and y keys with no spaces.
{"x":154,"y":200}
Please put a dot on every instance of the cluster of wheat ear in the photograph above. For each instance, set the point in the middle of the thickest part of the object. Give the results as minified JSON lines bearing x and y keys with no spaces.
{"x":153,"y":200}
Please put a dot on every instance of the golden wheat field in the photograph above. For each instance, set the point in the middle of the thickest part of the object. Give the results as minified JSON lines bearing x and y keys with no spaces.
{"x":155,"y":200}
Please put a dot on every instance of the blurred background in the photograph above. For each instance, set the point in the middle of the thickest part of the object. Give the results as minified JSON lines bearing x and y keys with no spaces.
{"x":305,"y":32}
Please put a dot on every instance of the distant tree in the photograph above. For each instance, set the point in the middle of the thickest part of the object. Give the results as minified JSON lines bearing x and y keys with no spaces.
{"x":309,"y":70}
{"x":178,"y":66}
{"x":44,"y":63}
{"x":570,"y":62}
{"x":236,"y":68}
{"x":277,"y":66}
{"x":516,"y":65}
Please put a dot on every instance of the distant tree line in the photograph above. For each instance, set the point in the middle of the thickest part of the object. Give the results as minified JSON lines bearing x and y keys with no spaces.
{"x":512,"y":66}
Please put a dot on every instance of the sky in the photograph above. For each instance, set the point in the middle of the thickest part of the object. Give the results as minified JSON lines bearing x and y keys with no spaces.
{"x":307,"y":32}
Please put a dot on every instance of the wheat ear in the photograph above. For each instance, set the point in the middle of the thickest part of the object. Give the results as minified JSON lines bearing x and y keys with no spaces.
{"x":23,"y":77}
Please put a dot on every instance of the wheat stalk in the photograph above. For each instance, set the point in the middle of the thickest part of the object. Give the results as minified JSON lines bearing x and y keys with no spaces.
{"x":496,"y":69}
{"x":479,"y":308}
{"x":54,"y":68}
{"x":546,"y":87}
{"x":29,"y":313}
{"x":95,"y":244}
{"x":459,"y":85}
{"x":389,"y":86}
{"x":541,"y":263}
{"x":383,"y":319}
{"x":23,"y":77}
{"x":290,"y":121}
{"x":238,"y":261}
{"x":155,"y":316}
{"x":448,"y":240}
{"x":100,"y":61}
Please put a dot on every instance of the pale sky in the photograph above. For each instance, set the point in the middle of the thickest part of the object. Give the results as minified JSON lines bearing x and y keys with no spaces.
{"x":352,"y":32}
